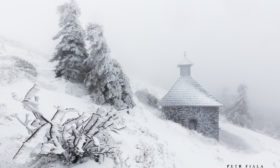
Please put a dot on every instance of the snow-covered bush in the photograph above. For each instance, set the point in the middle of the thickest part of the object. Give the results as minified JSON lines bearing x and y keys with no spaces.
{"x":13,"y":68}
{"x":147,"y":98}
{"x":70,"y":51}
{"x":120,"y":161}
{"x":25,"y":67}
{"x":145,"y":159}
{"x":69,"y":136}
{"x":105,"y":79}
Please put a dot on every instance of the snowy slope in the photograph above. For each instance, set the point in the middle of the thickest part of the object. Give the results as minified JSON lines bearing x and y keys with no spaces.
{"x":148,"y":141}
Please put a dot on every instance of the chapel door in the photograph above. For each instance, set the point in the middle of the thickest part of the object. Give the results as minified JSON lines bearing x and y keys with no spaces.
{"x":192,"y":124}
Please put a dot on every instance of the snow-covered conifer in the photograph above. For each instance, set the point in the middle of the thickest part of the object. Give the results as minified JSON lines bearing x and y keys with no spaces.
{"x":105,"y":79}
{"x":70,"y":51}
{"x":238,"y":112}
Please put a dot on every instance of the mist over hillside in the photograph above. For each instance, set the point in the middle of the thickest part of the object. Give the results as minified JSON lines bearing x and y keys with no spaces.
{"x":101,"y":83}
{"x":232,"y":42}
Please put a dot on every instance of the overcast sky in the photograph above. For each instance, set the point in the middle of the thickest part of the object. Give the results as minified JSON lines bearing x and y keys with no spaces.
{"x":230,"y":41}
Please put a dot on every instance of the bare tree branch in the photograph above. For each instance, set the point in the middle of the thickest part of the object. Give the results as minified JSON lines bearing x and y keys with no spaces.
{"x":28,"y":139}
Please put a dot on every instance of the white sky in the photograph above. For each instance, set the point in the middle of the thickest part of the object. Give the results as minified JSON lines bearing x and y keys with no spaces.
{"x":230,"y":41}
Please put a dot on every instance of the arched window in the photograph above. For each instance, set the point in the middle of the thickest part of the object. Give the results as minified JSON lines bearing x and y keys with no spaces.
{"x":192,"y":124}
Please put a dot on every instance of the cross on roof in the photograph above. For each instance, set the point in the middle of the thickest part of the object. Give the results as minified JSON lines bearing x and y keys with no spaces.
{"x":185,"y":60}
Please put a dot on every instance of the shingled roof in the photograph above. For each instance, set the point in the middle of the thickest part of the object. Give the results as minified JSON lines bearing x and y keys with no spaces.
{"x":187,"y":92}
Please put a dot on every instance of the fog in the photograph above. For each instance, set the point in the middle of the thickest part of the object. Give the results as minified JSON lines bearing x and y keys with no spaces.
{"x":230,"y":42}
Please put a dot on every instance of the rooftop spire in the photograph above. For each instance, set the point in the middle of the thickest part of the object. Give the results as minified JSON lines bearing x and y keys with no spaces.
{"x":185,"y":66}
{"x":185,"y":60}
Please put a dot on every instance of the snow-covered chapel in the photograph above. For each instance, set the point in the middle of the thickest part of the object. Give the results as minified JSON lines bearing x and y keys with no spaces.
{"x":189,"y":104}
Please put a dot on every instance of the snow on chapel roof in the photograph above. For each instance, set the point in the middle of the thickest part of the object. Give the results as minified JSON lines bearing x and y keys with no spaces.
{"x":187,"y":92}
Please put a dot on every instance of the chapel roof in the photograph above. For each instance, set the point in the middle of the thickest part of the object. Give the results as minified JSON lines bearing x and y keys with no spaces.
{"x":187,"y":92}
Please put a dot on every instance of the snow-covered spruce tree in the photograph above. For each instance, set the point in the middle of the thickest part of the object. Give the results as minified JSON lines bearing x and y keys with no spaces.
{"x":70,"y":51}
{"x":105,"y":79}
{"x":238,"y":112}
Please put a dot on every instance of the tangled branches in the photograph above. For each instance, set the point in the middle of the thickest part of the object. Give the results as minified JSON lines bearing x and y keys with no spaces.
{"x":69,"y":136}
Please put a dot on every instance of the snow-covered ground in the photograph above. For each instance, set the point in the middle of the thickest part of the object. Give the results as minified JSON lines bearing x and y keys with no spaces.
{"x":148,"y":140}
